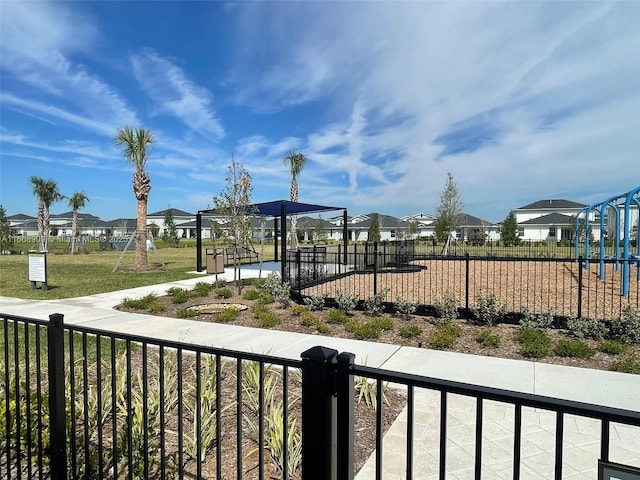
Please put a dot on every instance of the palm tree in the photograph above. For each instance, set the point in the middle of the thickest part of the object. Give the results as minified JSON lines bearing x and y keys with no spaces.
{"x":135,"y":143}
{"x":77,"y":201}
{"x":296,"y":162}
{"x":47,"y":193}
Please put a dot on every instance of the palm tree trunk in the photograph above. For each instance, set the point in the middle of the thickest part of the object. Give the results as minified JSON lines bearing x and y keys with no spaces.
{"x":141,"y":236}
{"x":41,"y":227}
{"x":294,"y":220}
{"x":74,"y":231}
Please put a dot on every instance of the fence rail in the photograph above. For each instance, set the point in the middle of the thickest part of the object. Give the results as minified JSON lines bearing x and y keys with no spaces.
{"x":84,"y":403}
{"x":581,"y":288}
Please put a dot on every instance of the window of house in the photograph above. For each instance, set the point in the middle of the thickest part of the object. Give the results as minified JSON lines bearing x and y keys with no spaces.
{"x":393,"y":233}
{"x":552,"y":231}
{"x":521,"y":232}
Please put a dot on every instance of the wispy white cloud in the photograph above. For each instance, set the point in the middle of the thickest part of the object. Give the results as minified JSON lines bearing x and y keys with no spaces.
{"x":37,"y":49}
{"x":532,"y":72}
{"x":175,"y":94}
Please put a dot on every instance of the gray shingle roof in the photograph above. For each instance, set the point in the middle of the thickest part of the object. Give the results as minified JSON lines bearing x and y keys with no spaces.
{"x":555,"y":204}
{"x":551,"y":219}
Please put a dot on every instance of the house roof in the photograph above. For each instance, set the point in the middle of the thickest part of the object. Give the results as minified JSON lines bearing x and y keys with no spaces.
{"x":551,"y":219}
{"x":384,"y":221}
{"x":175,"y":211}
{"x":70,"y":215}
{"x":466,"y":220}
{"x":554,"y":204}
{"x":21,"y":216}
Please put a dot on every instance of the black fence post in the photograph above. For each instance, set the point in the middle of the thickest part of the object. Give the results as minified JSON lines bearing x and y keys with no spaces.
{"x":319,"y":414}
{"x":375,"y":268}
{"x":57,"y":415}
{"x":466,"y":284}
{"x":580,"y":266}
{"x":345,"y":424}
{"x":299,"y":268}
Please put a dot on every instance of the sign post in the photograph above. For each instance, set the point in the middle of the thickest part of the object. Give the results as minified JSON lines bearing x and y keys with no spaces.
{"x":38,"y":269}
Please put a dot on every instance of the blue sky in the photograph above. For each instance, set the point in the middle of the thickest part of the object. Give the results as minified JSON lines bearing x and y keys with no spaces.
{"x":520,"y":101}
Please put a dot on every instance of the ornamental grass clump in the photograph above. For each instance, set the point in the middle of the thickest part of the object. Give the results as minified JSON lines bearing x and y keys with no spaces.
{"x":534,"y":343}
{"x":573,"y":349}
{"x":628,"y":363}
{"x":224,"y":293}
{"x":488,"y":339}
{"x":251,"y":294}
{"x":201,"y":289}
{"x":148,"y":302}
{"x":612,"y":347}
{"x":410,"y":331}
{"x":337,"y":316}
{"x":179,"y":295}
{"x":227,"y":315}
{"x":445,"y":336}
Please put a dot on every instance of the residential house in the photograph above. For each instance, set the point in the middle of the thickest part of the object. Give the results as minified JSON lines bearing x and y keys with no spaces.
{"x":551,"y":220}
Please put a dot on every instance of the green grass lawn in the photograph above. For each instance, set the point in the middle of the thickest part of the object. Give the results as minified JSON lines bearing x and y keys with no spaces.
{"x":87,"y":274}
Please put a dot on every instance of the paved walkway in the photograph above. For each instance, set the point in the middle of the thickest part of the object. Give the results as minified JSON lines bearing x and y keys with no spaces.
{"x":581,"y":438}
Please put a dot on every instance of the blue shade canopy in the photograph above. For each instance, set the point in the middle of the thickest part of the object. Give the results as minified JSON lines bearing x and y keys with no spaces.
{"x":275,"y":208}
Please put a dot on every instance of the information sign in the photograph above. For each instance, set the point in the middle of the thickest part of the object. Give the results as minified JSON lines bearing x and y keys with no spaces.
{"x":38,"y":269}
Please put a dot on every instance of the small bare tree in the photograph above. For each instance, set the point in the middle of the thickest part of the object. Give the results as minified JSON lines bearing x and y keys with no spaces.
{"x":234,"y":205}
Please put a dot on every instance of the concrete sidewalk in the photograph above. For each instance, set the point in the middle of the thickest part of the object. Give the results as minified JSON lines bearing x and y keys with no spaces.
{"x":581,"y":436}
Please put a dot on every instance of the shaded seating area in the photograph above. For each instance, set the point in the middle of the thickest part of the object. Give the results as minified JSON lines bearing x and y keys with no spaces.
{"x":279,"y":210}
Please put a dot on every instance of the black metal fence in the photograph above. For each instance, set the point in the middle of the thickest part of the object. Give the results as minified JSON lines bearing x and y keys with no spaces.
{"x":84,"y":403}
{"x":582,"y":288}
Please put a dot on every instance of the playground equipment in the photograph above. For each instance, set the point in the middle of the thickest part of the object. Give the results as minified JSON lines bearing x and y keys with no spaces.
{"x":627,"y":259}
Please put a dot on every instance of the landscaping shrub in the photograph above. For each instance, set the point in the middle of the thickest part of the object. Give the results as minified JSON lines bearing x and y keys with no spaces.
{"x":347,"y":303}
{"x":488,"y":308}
{"x":316,"y":303}
{"x":227,"y":315}
{"x":405,"y":307}
{"x":251,"y":295}
{"x":186,"y":313}
{"x":574,"y":349}
{"x":268,"y":319}
{"x":221,"y":283}
{"x":385,"y":323}
{"x":446,"y":307}
{"x":612,"y":347}
{"x":627,"y":328}
{"x":298,"y":310}
{"x":587,"y":328}
{"x":308,"y":319}
{"x":224,"y":293}
{"x":148,"y":302}
{"x":337,"y":316}
{"x":279,"y":291}
{"x":259,"y":309}
{"x":533,"y":343}
{"x":542,"y":321}
{"x":363,"y":331}
{"x":180,"y":295}
{"x":265,"y":299}
{"x":411,"y":331}
{"x":375,"y":305}
{"x":445,"y":336}
{"x":201,"y":289}
{"x":488,"y":339}
{"x":628,"y":363}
